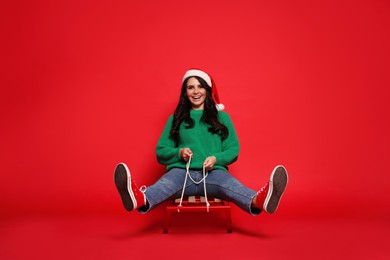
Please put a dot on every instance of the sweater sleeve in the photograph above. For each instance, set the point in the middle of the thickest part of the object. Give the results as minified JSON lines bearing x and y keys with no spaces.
{"x":230,"y":145}
{"x":166,"y":150}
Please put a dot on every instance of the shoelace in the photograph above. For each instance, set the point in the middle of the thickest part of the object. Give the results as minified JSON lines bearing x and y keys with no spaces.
{"x":143,"y":189}
{"x":263,"y":188}
{"x":262,"y":195}
{"x":205,"y":173}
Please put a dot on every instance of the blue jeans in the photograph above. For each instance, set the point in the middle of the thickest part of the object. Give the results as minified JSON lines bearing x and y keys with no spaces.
{"x":219,"y":184}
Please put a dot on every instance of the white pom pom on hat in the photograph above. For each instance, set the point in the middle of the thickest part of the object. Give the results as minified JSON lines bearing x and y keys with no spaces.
{"x":209,"y":81}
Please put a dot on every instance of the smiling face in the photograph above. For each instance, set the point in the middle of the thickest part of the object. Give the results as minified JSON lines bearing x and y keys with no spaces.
{"x":196,"y":93}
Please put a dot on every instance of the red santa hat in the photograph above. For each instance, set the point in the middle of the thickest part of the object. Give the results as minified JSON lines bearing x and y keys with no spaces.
{"x":209,"y":81}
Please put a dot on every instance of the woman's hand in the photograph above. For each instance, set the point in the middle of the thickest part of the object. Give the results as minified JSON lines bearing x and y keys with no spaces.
{"x":185,"y":153}
{"x":209,"y":162}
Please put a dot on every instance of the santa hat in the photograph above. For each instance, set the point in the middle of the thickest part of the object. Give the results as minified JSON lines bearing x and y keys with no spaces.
{"x":209,"y":81}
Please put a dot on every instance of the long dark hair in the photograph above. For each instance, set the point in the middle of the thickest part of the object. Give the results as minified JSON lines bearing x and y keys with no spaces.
{"x":210,"y":113}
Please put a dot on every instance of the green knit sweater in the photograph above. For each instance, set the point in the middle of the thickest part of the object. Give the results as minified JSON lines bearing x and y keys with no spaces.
{"x":201,"y":142}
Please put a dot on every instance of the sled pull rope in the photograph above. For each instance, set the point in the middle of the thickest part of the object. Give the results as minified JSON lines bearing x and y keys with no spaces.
{"x":205,"y":173}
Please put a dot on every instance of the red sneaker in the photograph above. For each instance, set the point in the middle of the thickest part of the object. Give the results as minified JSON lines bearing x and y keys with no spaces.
{"x":269,"y":196}
{"x":132,"y":196}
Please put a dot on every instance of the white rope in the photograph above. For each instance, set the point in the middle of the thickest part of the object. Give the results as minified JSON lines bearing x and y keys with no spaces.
{"x":205,"y":173}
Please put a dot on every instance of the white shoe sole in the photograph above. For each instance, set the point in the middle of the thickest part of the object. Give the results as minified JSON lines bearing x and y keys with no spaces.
{"x":277,"y":185}
{"x":122,"y":180}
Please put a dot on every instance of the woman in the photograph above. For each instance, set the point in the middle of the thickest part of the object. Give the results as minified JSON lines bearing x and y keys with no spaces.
{"x":199,"y":142}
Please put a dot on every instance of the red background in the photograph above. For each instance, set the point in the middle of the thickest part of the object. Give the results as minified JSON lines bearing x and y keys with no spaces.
{"x":88,"y":84}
